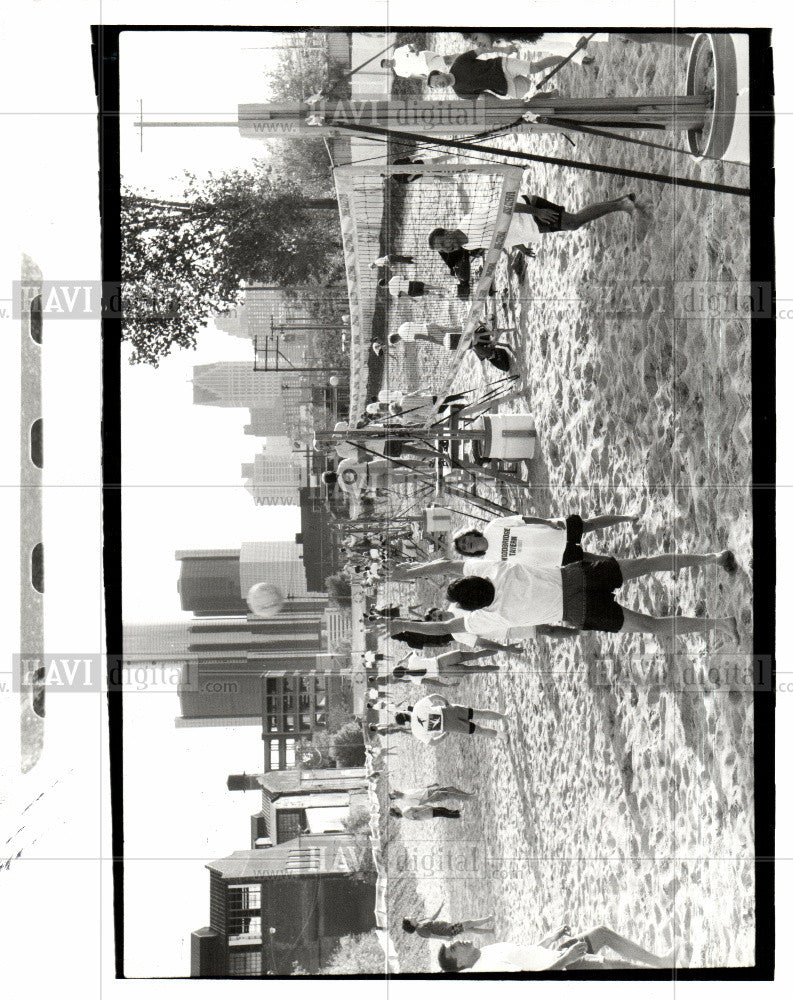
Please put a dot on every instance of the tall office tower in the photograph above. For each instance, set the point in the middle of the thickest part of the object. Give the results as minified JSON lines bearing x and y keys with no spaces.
{"x":279,"y":562}
{"x":209,"y":582}
{"x":268,"y":422}
{"x":216,"y":581}
{"x":275,"y":479}
{"x":156,"y":641}
{"x":237,"y":383}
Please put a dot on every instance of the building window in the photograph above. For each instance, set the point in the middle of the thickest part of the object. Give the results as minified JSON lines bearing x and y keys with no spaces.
{"x":294,"y":708}
{"x":244,"y":897}
{"x":245,"y":962}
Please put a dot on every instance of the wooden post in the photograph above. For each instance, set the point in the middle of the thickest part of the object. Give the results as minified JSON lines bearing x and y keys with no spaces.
{"x":460,"y":117}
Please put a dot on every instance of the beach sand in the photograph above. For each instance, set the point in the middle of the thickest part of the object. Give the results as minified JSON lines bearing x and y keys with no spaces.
{"x":626,"y":794}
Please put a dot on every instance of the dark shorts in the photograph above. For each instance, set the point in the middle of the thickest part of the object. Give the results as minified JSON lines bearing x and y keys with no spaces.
{"x":575,"y":531}
{"x":588,"y":594}
{"x":415,"y":288}
{"x":546,"y":227}
{"x":417,"y":640}
{"x":457,"y":719}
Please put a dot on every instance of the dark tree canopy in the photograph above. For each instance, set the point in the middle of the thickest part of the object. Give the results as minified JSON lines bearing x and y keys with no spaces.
{"x":190,"y":257}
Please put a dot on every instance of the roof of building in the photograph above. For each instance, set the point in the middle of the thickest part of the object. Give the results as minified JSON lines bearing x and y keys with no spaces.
{"x":310,"y":854}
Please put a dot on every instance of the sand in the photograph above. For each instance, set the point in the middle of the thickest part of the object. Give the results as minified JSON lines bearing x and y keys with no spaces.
{"x":621,"y":799}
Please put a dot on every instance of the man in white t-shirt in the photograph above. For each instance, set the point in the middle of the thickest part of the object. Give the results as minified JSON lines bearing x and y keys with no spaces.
{"x":556,"y":952}
{"x":400,"y":287}
{"x":494,"y":595}
{"x":410,"y":61}
{"x":539,"y":540}
{"x":530,"y":220}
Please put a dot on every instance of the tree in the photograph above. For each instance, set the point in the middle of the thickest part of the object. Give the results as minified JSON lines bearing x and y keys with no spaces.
{"x":297,"y":75}
{"x":357,"y":954}
{"x":347,"y":746}
{"x":338,"y":590}
{"x":184,"y":261}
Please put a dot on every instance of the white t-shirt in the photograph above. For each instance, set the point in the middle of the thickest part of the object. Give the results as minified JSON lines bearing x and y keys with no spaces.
{"x":491,"y":630}
{"x":479,"y":227}
{"x":409,"y":63}
{"x":506,"y":957}
{"x":397,"y":285}
{"x":427,"y":663}
{"x":511,"y":538}
{"x":412,"y":329}
{"x":344,"y":449}
{"x":360,"y":474}
{"x":525,"y":594}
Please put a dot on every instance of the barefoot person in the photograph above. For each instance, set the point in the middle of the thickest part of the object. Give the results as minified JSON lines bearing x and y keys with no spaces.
{"x":551,"y":954}
{"x":507,"y":77}
{"x":434,"y":928}
{"x":423,"y":668}
{"x":433,"y":718}
{"x":423,"y":812}
{"x":420,"y":676}
{"x":410,"y":61}
{"x":495,"y":595}
{"x":400,"y":287}
{"x":430,"y":794}
{"x":432,"y":333}
{"x":391,"y":258}
{"x":532,"y":539}
{"x":530,"y":220}
{"x":482,"y":343}
{"x":557,"y":43}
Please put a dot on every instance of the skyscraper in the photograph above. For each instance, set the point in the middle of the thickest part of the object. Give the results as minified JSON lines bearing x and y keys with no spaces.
{"x":217,"y":581}
{"x":281,"y":399}
{"x":275,"y":479}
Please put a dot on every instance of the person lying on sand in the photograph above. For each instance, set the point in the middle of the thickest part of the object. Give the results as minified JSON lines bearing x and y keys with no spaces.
{"x":557,"y":952}
{"x":434,"y":928}
{"x":529,"y":221}
{"x":495,"y":595}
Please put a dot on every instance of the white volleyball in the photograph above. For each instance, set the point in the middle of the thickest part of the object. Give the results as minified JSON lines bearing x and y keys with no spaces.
{"x":265,"y":599}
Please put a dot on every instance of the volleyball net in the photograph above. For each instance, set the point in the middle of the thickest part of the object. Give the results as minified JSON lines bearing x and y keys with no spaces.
{"x":392,"y":209}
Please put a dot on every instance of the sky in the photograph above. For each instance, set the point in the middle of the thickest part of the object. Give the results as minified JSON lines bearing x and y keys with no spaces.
{"x":182,"y":489}
{"x":181,"y":463}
